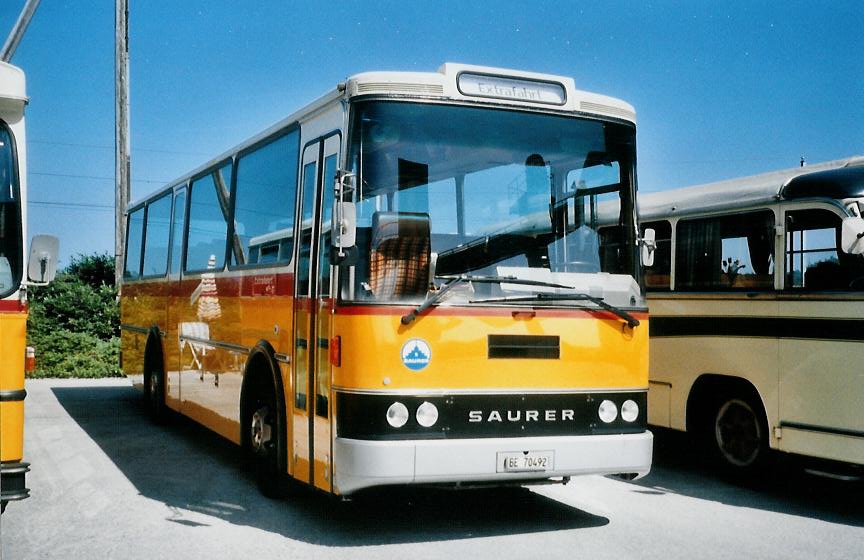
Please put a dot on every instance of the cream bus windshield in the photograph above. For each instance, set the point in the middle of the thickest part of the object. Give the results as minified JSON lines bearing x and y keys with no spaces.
{"x":450,"y":190}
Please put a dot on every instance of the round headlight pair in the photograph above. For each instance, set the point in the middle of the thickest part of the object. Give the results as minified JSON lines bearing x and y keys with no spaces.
{"x":608,"y":411}
{"x":426,"y":415}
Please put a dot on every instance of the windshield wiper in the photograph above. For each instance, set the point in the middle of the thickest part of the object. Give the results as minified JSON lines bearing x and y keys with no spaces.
{"x":455,"y":280}
{"x":631,"y":321}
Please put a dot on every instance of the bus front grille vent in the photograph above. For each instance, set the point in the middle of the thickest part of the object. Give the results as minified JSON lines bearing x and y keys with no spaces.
{"x":394,"y":87}
{"x":537,"y":347}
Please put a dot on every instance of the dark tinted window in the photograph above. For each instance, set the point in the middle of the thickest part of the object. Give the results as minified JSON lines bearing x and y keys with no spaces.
{"x":208,"y":220}
{"x":156,"y":238}
{"x":133,"y":244}
{"x":10,"y":217}
{"x":734,"y":252}
{"x":264,"y":202}
{"x":657,"y":275}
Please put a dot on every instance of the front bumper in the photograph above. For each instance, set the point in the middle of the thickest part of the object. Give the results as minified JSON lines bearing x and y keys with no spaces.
{"x":363,"y":463}
{"x":12,"y":481}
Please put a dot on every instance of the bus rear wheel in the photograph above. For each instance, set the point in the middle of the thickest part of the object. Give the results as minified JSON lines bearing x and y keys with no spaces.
{"x":154,"y":395}
{"x":739,"y":434}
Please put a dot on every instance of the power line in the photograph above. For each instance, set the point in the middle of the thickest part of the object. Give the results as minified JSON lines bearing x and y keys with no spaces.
{"x":94,"y":177}
{"x":107,"y":147}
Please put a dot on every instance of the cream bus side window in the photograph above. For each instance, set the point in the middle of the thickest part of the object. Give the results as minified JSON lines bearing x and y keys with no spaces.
{"x":732,"y":252}
{"x":813,"y":260}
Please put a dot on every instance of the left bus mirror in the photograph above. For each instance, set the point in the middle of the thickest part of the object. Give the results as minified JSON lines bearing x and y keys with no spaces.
{"x":649,"y":245}
{"x":42,"y":264}
{"x":850,"y":237}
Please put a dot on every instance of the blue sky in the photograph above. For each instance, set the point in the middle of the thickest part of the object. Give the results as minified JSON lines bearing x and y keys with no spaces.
{"x":721,"y":89}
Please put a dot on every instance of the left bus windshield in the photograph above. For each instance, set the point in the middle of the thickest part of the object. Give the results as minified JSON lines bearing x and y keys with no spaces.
{"x":449,"y":190}
{"x":10,"y":217}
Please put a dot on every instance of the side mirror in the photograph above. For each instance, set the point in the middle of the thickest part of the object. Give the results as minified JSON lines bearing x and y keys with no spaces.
{"x":649,"y":245}
{"x":344,"y":226}
{"x":851,"y":234}
{"x":42,"y":264}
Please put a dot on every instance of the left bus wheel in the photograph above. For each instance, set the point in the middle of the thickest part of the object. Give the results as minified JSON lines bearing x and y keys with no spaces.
{"x":261,"y":426}
{"x":154,"y":393}
{"x":740,"y":434}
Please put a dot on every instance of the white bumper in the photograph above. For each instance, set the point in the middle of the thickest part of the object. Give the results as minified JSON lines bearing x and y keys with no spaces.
{"x":361,"y":464}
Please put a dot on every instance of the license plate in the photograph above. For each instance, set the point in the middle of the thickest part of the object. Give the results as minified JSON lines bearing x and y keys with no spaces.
{"x":526,"y":461}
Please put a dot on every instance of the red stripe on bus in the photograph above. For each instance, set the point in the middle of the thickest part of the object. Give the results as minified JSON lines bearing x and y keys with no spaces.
{"x":12,"y":306}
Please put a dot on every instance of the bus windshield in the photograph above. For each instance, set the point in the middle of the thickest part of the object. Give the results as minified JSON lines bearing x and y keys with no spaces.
{"x":10,"y":218}
{"x":447,"y":190}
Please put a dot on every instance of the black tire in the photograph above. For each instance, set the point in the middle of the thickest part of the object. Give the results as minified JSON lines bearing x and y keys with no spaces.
{"x":738,"y":433}
{"x":261,"y":424}
{"x":154,"y":395}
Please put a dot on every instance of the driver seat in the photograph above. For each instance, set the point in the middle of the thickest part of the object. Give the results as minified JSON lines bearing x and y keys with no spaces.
{"x":399,"y":256}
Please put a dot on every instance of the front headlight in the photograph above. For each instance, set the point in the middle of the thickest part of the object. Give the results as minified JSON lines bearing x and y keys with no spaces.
{"x":607,"y":412}
{"x":397,"y":415}
{"x":629,"y":410}
{"x":427,"y":414}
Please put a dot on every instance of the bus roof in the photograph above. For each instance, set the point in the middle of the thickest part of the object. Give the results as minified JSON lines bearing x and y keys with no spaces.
{"x":841,"y":178}
{"x":452,"y":82}
{"x":13,"y":91}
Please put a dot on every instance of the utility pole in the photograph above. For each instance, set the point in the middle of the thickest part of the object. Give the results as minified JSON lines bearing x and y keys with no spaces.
{"x":18,"y":31}
{"x":121,"y":132}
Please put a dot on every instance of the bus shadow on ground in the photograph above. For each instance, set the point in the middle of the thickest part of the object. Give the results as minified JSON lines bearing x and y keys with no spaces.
{"x":785,"y":486}
{"x":193,"y":470}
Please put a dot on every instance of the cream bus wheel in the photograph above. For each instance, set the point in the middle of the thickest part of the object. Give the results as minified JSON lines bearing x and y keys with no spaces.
{"x":740,"y":434}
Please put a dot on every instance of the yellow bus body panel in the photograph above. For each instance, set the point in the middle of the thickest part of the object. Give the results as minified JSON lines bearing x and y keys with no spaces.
{"x":594,"y":353}
{"x":13,"y":337}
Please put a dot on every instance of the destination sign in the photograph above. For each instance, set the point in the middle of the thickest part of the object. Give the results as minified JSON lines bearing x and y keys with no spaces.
{"x":498,"y":87}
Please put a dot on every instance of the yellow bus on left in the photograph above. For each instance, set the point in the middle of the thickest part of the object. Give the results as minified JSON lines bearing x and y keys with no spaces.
{"x":40,"y":268}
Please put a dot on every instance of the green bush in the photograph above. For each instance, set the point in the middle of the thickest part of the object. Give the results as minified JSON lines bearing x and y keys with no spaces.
{"x":74,"y":321}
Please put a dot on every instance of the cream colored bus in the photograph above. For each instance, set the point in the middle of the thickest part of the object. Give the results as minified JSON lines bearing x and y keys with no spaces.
{"x":757,"y":304}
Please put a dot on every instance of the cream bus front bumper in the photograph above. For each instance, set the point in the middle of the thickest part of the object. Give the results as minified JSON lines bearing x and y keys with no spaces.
{"x":362,"y":463}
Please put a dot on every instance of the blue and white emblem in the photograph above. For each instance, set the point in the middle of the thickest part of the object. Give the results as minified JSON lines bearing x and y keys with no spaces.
{"x":416,"y":354}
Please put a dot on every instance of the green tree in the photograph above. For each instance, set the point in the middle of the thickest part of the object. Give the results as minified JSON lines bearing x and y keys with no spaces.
{"x":74,"y":321}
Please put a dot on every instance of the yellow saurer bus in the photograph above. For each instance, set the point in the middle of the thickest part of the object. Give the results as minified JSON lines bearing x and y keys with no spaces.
{"x":404,"y":283}
{"x":756,"y":294}
{"x":13,"y":301}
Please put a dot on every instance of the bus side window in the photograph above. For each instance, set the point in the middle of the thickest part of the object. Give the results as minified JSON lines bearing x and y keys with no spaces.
{"x":208,"y":220}
{"x":264,"y":202}
{"x":156,"y":237}
{"x":723,"y":253}
{"x":657,"y":276}
{"x":134,"y":237}
{"x":813,"y":261}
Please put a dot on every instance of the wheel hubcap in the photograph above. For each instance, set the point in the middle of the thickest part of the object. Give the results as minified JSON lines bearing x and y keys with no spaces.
{"x":738,"y":433}
{"x":260,"y":429}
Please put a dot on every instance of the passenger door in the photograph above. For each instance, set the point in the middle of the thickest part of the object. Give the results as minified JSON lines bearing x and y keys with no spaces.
{"x":312,"y":433}
{"x":821,"y":336}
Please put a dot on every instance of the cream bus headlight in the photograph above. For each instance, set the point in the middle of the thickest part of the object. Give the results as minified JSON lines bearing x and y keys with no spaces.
{"x":629,"y":410}
{"x":397,"y":415}
{"x":427,"y":414}
{"x":608,"y":412}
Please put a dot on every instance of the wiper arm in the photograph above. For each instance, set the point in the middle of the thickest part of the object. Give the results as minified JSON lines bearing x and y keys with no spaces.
{"x":453,"y":281}
{"x":631,"y":321}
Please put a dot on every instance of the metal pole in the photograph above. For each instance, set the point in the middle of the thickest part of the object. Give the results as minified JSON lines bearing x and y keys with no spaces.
{"x":121,"y":131}
{"x":18,"y":31}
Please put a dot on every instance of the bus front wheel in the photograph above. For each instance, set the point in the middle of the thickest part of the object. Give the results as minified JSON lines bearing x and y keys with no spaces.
{"x":739,"y":433}
{"x":260,"y":424}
